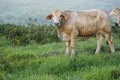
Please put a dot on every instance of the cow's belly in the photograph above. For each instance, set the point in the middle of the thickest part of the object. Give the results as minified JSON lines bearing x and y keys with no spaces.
{"x":88,"y":31}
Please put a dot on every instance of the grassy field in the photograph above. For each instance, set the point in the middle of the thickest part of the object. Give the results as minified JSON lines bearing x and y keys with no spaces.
{"x":48,"y":62}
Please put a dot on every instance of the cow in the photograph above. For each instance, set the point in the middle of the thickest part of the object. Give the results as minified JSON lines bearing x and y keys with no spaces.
{"x":116,"y":14}
{"x":85,"y":23}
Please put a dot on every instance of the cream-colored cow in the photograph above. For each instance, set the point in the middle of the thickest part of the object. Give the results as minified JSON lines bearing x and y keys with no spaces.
{"x":71,"y":24}
{"x":116,"y":14}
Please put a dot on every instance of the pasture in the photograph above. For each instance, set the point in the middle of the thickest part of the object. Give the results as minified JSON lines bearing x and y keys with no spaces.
{"x":47,"y":61}
{"x":31,"y":50}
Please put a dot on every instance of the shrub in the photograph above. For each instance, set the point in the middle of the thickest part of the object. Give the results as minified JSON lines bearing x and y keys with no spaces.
{"x":23,"y":35}
{"x":116,"y":31}
{"x":17,"y":35}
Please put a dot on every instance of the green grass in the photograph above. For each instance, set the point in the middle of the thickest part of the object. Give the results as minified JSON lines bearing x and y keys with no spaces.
{"x":48,"y":62}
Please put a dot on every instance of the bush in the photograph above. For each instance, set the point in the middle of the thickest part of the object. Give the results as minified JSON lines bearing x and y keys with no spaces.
{"x":116,"y":31}
{"x":43,"y":34}
{"x":18,"y":35}
{"x":23,"y":35}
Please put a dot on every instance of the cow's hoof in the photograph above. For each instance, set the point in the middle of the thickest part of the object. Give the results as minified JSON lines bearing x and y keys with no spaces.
{"x":96,"y":53}
{"x":67,"y":54}
{"x":72,"y":56}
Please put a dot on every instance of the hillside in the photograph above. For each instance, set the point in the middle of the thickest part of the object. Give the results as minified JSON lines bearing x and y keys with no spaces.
{"x":18,"y":11}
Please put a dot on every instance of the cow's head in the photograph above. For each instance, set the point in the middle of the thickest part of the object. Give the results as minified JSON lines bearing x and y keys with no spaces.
{"x":57,"y":17}
{"x":116,"y":14}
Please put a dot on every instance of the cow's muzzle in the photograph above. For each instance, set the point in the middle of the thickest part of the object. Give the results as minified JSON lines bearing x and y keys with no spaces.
{"x":57,"y":24}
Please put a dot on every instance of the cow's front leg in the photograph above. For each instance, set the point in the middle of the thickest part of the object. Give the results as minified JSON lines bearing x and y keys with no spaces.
{"x":99,"y":42}
{"x":73,"y":41}
{"x":67,"y":43}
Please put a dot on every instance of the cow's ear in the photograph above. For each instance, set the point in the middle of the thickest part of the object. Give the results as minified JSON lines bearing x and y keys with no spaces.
{"x":64,"y":16}
{"x":49,"y":16}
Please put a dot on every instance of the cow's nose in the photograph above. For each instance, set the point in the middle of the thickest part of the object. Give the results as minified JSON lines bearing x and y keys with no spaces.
{"x":57,"y":24}
{"x":116,"y":24}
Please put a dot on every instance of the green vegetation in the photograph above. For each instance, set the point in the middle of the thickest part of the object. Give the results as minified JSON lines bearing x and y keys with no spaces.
{"x":47,"y":61}
{"x":34,"y":52}
{"x":24,"y":35}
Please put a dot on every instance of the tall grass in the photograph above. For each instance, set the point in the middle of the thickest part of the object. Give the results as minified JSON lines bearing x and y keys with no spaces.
{"x":38,"y":61}
{"x":48,"y":62}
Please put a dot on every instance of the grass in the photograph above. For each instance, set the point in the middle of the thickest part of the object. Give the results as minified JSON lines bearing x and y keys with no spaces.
{"x":48,"y":62}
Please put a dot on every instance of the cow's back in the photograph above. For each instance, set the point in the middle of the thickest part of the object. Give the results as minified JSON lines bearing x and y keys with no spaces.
{"x":90,"y":22}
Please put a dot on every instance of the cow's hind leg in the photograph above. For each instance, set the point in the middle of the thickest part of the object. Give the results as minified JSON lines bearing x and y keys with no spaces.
{"x":72,"y":44}
{"x":73,"y":47}
{"x":67,"y":47}
{"x":110,"y":41}
{"x":99,"y":42}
